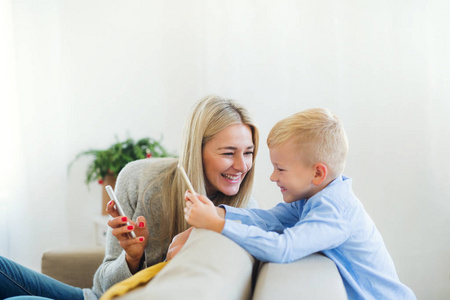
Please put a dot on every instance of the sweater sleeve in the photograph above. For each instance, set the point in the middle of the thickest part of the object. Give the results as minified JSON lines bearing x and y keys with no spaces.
{"x":322,"y":227}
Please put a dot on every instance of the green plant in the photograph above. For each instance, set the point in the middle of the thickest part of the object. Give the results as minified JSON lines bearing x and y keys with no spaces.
{"x":112,"y":160}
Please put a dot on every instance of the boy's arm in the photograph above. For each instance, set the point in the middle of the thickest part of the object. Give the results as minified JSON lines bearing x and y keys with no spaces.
{"x":275,"y":219}
{"x":201,"y":212}
{"x":322,"y":228}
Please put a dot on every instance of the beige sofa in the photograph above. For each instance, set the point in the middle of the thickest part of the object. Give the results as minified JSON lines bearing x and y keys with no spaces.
{"x":210,"y":266}
{"x":74,"y":266}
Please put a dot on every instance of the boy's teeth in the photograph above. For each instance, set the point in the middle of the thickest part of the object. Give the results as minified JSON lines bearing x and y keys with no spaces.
{"x":231,"y":177}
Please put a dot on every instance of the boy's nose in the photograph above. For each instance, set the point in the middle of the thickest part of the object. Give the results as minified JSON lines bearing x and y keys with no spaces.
{"x":273,"y":177}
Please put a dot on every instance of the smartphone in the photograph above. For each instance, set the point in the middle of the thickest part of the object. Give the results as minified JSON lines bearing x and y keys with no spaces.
{"x":186,"y":179}
{"x":117,"y":206}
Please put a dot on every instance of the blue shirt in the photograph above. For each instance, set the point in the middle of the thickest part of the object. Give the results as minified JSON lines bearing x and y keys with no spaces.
{"x":333,"y":222}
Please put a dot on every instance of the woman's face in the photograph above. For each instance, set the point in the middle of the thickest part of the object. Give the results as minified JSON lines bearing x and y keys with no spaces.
{"x":227,"y":158}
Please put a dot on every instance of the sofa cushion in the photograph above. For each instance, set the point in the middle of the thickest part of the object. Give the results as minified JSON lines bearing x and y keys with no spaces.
{"x":74,"y":266}
{"x":209,"y":266}
{"x":313,"y":277}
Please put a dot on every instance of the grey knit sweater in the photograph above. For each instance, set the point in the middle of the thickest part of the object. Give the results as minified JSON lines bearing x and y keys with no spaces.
{"x":131,"y":184}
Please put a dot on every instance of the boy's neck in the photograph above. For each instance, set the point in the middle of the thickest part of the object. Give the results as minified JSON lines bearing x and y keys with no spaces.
{"x":323,"y":185}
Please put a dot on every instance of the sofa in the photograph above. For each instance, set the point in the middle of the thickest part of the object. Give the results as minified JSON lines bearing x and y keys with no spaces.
{"x":73,"y":265}
{"x":211,"y":266}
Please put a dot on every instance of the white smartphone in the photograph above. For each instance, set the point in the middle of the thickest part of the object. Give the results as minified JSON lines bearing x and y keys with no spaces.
{"x":186,"y":179}
{"x":117,"y":206}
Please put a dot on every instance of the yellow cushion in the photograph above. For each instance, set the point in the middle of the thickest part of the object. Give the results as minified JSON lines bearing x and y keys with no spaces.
{"x":139,"y":279}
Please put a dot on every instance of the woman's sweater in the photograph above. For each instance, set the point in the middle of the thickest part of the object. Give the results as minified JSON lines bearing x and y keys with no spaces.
{"x":131,"y":184}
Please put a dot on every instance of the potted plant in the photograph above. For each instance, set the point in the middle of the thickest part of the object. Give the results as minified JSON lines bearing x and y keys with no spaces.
{"x":108,"y":163}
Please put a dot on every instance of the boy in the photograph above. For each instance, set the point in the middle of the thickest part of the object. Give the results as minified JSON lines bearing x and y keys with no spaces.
{"x":320,"y":213}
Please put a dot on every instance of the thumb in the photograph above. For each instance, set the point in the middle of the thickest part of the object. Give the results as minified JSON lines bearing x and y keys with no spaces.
{"x":141,"y":222}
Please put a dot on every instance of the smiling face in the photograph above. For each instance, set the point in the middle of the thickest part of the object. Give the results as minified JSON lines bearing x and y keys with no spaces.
{"x":291,"y":174}
{"x":227,"y":158}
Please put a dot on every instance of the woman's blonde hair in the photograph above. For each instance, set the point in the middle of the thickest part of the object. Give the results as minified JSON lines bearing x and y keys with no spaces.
{"x":207,"y":118}
{"x":318,"y":133}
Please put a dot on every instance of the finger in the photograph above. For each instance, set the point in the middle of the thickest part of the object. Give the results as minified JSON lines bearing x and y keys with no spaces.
{"x":117,"y":221}
{"x":189,"y":204}
{"x":111,"y":210}
{"x":123,"y":231}
{"x":130,"y":242}
{"x":204,"y":199}
{"x":192,"y":197}
{"x":141,"y":222}
{"x":118,"y":233}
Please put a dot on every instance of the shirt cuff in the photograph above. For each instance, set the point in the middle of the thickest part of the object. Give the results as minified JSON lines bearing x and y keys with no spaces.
{"x":231,"y":212}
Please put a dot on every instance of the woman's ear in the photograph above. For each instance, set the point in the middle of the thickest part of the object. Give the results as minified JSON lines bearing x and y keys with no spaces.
{"x":320,"y":173}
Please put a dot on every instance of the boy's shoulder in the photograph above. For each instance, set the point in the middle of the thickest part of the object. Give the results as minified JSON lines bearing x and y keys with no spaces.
{"x":339,"y":193}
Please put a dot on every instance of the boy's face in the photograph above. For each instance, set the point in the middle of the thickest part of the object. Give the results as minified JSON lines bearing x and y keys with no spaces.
{"x":291,"y":174}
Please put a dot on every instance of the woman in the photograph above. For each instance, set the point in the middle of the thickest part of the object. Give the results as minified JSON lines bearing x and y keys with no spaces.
{"x":218,"y":149}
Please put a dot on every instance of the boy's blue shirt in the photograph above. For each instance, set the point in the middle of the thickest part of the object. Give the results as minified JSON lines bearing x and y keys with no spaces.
{"x":333,"y":222}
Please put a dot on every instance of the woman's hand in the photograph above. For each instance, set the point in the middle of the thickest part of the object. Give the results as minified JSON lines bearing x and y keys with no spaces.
{"x":177,"y":243}
{"x":134,"y":247}
{"x":200,"y":212}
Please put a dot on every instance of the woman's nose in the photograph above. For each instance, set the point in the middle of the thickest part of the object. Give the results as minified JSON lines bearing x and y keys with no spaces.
{"x":240,"y":164}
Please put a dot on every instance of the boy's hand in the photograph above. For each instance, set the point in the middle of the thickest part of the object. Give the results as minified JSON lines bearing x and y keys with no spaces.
{"x":200,"y":212}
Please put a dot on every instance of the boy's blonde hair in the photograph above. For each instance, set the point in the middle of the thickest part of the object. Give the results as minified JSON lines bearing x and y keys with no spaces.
{"x":318,"y":134}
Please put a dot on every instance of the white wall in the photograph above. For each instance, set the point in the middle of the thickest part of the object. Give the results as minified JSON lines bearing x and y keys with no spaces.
{"x":90,"y":70}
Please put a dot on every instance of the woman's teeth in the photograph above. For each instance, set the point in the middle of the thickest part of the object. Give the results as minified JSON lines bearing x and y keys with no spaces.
{"x":231,"y":177}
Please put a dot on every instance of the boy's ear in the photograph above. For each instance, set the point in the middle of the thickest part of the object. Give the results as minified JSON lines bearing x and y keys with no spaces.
{"x":320,"y":173}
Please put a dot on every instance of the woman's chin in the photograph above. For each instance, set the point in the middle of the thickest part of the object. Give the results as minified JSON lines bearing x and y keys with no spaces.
{"x":230,"y":191}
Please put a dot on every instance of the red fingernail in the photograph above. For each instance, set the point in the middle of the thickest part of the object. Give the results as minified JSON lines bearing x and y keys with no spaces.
{"x":141,"y":239}
{"x":130,"y":227}
{"x":124,"y":219}
{"x":109,"y":203}
{"x":141,"y":224}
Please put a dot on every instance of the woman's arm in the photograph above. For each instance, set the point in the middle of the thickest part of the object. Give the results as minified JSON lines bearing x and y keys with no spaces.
{"x":136,"y":188}
{"x":123,"y":255}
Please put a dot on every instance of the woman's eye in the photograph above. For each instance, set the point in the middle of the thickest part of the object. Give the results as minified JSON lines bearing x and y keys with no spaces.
{"x":249,"y":153}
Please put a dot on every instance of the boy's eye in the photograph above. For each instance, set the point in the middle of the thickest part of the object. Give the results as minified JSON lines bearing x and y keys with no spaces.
{"x":228,"y":154}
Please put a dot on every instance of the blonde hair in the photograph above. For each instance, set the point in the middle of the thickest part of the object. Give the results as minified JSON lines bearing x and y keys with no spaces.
{"x":208,"y":117}
{"x":318,"y":133}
